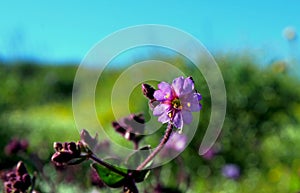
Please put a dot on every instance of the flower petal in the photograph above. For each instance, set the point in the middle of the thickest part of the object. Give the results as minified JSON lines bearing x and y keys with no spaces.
{"x":164,"y":118}
{"x":178,"y":121}
{"x":164,"y":86}
{"x":165,"y":91}
{"x":160,"y":109}
{"x":159,"y":95}
{"x":199,"y":96}
{"x":188,"y":86}
{"x":195,"y":107}
{"x":190,"y":102}
{"x":177,"y":85}
{"x":187,"y":116}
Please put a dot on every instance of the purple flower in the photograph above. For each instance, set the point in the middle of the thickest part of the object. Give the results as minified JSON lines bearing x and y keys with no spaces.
{"x":15,"y":146}
{"x":210,"y":153}
{"x":177,"y":142}
{"x":231,"y":171}
{"x":177,"y":102}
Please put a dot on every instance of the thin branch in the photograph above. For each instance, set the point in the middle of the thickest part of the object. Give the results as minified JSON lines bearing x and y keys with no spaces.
{"x":158,"y":148}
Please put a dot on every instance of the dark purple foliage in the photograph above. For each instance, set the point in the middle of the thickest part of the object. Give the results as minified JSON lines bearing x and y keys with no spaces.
{"x":17,"y":180}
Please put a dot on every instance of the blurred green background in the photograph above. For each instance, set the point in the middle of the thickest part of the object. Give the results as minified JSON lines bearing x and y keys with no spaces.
{"x":260,"y":134}
{"x":254,"y":44}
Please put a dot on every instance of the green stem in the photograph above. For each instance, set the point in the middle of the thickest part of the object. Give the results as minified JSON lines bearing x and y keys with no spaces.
{"x":107,"y":165}
{"x":32,"y":182}
{"x":158,"y":148}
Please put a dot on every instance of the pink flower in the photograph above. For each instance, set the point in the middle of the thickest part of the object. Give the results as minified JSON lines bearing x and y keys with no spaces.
{"x":177,"y":102}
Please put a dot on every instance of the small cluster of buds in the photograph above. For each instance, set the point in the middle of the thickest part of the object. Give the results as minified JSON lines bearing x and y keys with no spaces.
{"x":69,"y":153}
{"x":131,"y":127}
{"x":15,"y":146}
{"x":18,"y":180}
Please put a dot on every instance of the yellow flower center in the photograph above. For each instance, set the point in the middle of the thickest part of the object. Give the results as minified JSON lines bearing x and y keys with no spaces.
{"x":176,"y":104}
{"x":167,"y":96}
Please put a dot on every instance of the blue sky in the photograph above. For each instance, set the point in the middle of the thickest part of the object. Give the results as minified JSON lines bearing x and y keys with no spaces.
{"x":63,"y":31}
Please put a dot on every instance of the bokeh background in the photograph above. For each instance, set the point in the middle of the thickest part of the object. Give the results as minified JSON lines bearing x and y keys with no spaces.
{"x":254,"y":43}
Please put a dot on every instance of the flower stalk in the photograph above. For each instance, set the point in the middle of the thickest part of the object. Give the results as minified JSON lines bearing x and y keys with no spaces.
{"x":158,"y":149}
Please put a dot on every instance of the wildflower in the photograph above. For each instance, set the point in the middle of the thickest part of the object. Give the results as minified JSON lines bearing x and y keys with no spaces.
{"x":231,"y":171}
{"x":18,"y":180}
{"x":177,"y":102}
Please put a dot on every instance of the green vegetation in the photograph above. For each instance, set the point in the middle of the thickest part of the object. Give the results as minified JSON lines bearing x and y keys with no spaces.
{"x":261,"y":132}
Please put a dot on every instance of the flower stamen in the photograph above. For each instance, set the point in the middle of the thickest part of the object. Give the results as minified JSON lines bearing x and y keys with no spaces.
{"x":167,"y":96}
{"x":176,"y":104}
{"x":170,"y":114}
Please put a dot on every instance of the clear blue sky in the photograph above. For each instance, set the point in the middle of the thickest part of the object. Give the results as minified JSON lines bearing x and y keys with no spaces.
{"x":66,"y":30}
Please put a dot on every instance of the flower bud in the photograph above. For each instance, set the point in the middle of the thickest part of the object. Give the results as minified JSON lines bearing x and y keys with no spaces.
{"x":118,"y":128}
{"x":57,"y":146}
{"x":69,"y":153}
{"x":73,"y":148}
{"x":21,"y":169}
{"x":26,"y":180}
{"x":18,"y":180}
{"x":148,"y":91}
{"x":61,"y":158}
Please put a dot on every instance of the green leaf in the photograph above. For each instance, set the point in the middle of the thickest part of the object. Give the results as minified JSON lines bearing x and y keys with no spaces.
{"x":110,"y":178}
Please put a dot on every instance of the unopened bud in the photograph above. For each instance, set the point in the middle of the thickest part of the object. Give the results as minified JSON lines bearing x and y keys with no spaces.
{"x":26,"y":180}
{"x":72,"y":147}
{"x":148,"y":91}
{"x":21,"y":169}
{"x":57,"y":146}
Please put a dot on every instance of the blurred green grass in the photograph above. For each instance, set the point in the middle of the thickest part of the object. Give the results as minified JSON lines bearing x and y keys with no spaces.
{"x":260,"y":134}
